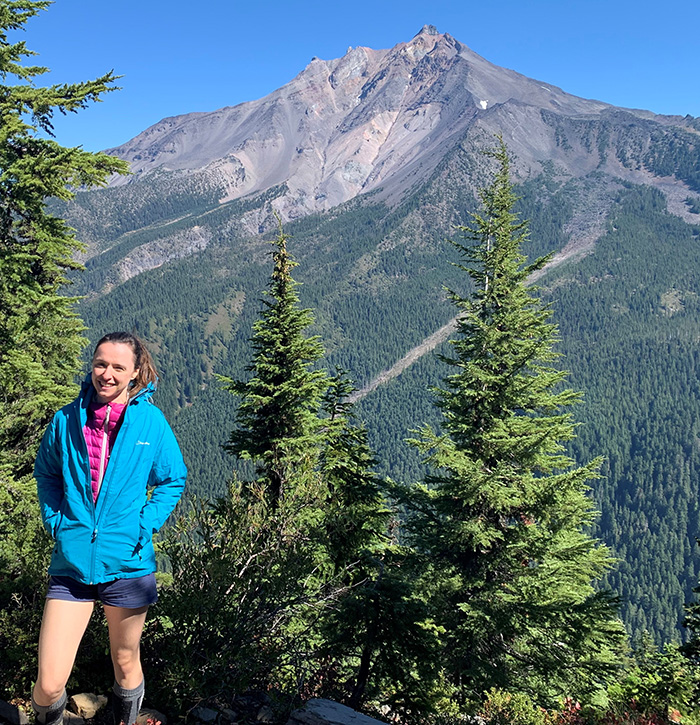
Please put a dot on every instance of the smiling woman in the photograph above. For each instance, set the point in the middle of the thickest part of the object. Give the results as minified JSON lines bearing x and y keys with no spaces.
{"x":113,"y":371}
{"x":98,"y":512}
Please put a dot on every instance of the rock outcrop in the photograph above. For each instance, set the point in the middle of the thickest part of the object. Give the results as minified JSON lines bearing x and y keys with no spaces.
{"x":327,"y":712}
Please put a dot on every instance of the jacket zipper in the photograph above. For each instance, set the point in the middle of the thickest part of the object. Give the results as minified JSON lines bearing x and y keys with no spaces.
{"x":105,"y":447}
{"x":88,"y":493}
{"x":100,"y":478}
{"x":101,"y":500}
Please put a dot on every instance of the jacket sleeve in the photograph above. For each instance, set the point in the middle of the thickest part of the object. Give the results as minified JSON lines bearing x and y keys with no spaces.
{"x":49,"y":479}
{"x":168,"y":480}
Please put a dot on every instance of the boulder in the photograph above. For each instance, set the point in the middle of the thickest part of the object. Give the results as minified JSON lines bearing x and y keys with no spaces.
{"x":327,"y":712}
{"x":86,"y":704}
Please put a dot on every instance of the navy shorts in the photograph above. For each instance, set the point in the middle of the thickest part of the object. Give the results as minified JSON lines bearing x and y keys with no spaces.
{"x":126,"y":593}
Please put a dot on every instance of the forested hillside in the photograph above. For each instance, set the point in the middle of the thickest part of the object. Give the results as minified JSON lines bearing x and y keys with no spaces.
{"x":629,"y":317}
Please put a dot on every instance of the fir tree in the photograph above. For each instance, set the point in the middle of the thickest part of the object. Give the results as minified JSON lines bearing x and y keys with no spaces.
{"x":502,"y":520}
{"x":357,"y":516}
{"x":279,"y":428}
{"x":356,"y":520}
{"x":291,"y":551}
{"x":40,"y":334}
{"x":264,"y":572}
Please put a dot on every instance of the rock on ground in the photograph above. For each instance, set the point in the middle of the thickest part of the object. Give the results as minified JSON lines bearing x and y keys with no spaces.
{"x":86,"y":704}
{"x":327,"y":712}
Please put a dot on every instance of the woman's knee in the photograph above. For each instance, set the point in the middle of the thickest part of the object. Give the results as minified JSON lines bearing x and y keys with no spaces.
{"x":125,"y":628}
{"x":48,"y":690}
{"x":126,"y":659}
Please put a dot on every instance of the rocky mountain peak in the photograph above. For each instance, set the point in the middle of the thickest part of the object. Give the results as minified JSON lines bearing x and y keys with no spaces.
{"x":370,"y":120}
{"x":427,"y":30}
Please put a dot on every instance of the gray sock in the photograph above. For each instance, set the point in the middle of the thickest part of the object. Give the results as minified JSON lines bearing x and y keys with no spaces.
{"x":127,"y":704}
{"x":50,"y":714}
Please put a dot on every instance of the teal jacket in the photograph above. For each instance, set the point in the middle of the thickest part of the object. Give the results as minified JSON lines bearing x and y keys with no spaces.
{"x":111,"y":539}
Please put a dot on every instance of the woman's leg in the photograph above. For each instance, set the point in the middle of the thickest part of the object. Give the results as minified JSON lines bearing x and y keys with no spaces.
{"x":125,"y":628}
{"x":62,"y":628}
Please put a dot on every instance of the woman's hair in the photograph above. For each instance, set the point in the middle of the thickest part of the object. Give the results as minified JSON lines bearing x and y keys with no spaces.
{"x":143,"y":361}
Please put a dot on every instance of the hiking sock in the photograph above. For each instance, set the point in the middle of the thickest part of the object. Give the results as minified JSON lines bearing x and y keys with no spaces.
{"x":50,"y":714}
{"x":127,"y":704}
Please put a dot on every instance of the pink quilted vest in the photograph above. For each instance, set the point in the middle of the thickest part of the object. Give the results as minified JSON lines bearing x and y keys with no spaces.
{"x":103,"y":421}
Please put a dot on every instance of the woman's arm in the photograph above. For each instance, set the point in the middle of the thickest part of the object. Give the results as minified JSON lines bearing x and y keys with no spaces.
{"x":49,"y":479}
{"x":168,"y":480}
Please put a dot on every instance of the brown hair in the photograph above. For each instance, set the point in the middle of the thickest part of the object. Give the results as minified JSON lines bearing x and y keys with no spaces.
{"x":143,"y":361}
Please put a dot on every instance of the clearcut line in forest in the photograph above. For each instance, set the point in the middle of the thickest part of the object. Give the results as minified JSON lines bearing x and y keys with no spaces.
{"x":571,"y":251}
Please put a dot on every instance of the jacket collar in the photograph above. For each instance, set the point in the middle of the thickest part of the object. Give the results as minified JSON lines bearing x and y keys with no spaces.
{"x":87,"y":393}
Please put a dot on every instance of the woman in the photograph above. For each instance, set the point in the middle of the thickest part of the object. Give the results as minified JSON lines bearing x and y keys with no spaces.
{"x":96,"y":461}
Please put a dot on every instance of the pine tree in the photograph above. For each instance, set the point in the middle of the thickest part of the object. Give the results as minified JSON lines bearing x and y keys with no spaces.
{"x":357,"y":516}
{"x":502,"y":519}
{"x":356,"y":520}
{"x":40,"y":334}
{"x":279,"y":428}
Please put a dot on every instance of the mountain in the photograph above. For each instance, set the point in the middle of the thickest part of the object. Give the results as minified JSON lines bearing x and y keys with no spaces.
{"x":373,"y":119}
{"x":368,"y":120}
{"x":374,"y":122}
{"x":371,"y":160}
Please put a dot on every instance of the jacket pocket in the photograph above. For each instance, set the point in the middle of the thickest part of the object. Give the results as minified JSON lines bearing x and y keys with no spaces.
{"x":57,"y":523}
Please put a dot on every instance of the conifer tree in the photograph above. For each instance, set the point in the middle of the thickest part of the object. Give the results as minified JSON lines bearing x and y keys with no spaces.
{"x":502,"y":518}
{"x":279,"y":428}
{"x":357,"y":516}
{"x":264,"y":572}
{"x":40,"y":334}
{"x":356,"y":521}
{"x":376,"y":638}
{"x":291,"y":553}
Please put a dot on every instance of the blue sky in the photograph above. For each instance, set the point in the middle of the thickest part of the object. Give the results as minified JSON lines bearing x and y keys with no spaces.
{"x":176,"y":57}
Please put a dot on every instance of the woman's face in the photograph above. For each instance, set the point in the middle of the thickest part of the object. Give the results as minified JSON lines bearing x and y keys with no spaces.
{"x":112,"y":371}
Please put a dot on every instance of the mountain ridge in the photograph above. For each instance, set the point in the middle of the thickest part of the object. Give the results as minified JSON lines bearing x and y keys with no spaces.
{"x":359,"y":123}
